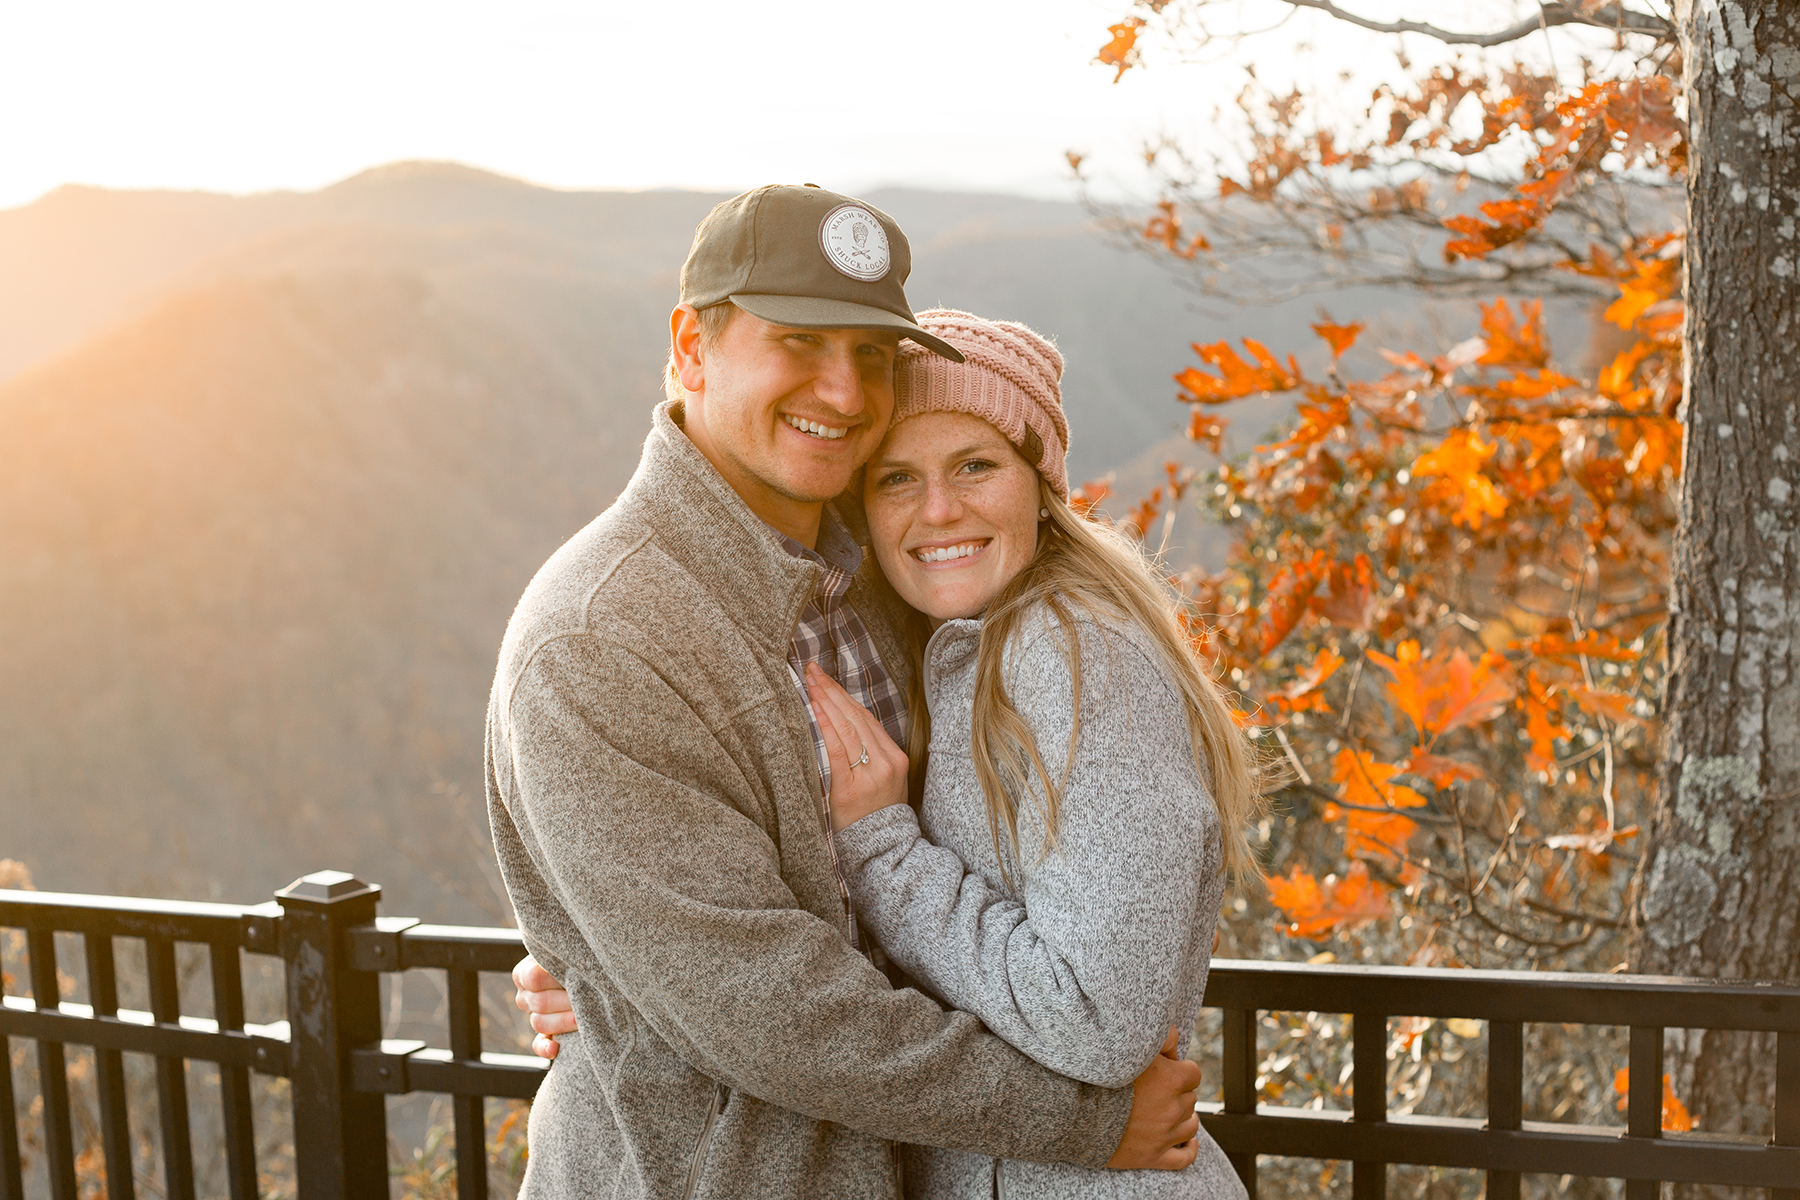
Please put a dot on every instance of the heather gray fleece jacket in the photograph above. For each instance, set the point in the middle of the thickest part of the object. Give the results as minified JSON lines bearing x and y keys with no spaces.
{"x":655,"y":807}
{"x":1092,"y":950}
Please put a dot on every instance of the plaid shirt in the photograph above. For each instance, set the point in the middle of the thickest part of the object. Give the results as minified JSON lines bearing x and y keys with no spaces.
{"x":831,"y":634}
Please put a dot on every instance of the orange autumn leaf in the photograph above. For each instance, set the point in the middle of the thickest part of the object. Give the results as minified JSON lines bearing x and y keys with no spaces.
{"x":1601,"y":702}
{"x":1442,"y":693}
{"x":1543,"y":723}
{"x":1614,"y":380}
{"x":1440,"y":771}
{"x":1303,"y":695}
{"x":1084,"y":498}
{"x":1514,"y":342}
{"x":1653,"y":280}
{"x":1516,"y":393}
{"x":1207,"y":429}
{"x":1338,"y":337}
{"x":1408,"y":689}
{"x":1121,"y":51}
{"x":1591,"y":644}
{"x":1349,"y":598}
{"x":1179,"y":477}
{"x":1236,"y":378}
{"x":1316,"y":908}
{"x":1507,"y":221}
{"x":1289,"y":593}
{"x":1601,"y":478}
{"x":1320,"y":414}
{"x":1165,"y":230}
{"x":1458,"y":460}
{"x":1138,"y":519}
{"x":1658,"y":446}
{"x":1675,"y":1116}
{"x":1372,"y":829}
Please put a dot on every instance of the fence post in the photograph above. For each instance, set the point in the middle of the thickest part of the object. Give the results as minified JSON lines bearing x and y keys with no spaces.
{"x":340,"y":1136}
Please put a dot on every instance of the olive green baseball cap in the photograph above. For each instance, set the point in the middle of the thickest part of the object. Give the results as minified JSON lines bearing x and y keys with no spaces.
{"x":806,"y":258}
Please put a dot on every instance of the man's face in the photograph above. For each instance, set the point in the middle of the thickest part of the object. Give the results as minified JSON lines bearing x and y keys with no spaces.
{"x":788,"y":415}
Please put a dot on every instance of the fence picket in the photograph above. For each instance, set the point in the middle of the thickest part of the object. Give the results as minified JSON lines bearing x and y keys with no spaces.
{"x":234,"y":1082}
{"x":109,"y":1070}
{"x":171,"y":1072}
{"x":1505,"y":1096}
{"x":53,"y":1073}
{"x":12,"y":1165}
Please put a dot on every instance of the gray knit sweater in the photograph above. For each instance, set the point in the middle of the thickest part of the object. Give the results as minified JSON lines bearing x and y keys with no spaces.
{"x":1095,"y":948}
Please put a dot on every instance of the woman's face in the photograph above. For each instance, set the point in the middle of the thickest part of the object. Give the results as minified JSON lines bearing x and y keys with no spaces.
{"x":953,"y":512}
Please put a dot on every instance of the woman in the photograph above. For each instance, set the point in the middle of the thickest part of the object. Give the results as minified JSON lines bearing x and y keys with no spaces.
{"x":1084,"y":788}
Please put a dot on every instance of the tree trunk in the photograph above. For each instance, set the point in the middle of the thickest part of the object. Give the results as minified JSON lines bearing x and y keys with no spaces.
{"x":1720,"y":892}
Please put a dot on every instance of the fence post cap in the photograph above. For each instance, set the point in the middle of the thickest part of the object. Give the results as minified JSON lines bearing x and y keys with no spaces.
{"x":327,"y":887}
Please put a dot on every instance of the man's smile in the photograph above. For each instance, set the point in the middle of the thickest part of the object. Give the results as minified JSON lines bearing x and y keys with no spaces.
{"x":828,"y":433}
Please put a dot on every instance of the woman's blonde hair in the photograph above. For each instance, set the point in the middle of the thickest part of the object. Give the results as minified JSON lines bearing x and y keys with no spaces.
{"x":1082,"y":565}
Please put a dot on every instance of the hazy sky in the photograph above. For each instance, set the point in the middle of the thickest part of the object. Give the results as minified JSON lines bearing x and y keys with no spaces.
{"x":241,"y":95}
{"x":245,"y":94}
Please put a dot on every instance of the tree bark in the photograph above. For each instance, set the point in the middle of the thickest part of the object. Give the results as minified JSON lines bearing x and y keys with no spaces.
{"x":1720,"y":886}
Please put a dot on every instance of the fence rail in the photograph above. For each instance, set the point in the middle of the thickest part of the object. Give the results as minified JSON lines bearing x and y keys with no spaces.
{"x":334,"y":949}
{"x":1504,"y":1145}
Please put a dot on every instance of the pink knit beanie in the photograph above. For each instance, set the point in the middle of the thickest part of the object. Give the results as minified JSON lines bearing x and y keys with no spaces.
{"x":1012,"y":380}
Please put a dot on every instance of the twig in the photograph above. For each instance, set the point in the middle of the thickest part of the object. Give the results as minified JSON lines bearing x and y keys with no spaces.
{"x":1293,"y":759}
{"x":1615,"y":17}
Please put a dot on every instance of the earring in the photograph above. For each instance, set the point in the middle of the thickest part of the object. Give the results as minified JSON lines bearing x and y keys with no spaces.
{"x":1044,"y":513}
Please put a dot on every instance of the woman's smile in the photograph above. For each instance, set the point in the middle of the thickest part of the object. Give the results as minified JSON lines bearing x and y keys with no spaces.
{"x":949,"y":557}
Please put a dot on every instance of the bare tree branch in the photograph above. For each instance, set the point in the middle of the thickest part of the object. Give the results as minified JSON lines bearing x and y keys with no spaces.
{"x":1615,"y":17}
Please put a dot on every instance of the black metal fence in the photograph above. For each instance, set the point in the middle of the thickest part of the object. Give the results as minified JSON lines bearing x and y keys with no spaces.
{"x":334,"y":947}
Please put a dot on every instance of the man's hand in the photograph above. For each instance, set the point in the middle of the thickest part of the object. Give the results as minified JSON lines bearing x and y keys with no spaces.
{"x":543,"y":997}
{"x":1160,"y":1133}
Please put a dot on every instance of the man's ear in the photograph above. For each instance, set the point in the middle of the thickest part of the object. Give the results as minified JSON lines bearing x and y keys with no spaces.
{"x":684,"y":347}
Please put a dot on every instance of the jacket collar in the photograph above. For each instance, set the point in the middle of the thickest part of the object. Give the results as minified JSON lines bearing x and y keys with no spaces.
{"x":950,"y":651}
{"x":701,"y":522}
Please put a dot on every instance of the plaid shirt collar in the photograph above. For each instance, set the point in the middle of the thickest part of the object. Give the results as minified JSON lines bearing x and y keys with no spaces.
{"x":841,"y":557}
{"x":838,"y":553}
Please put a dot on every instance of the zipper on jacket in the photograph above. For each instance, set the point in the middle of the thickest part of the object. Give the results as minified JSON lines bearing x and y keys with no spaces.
{"x":825,"y":823}
{"x":720,"y":1092}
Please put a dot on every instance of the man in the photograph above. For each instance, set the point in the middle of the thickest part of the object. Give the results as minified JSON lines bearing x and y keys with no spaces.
{"x":655,"y":789}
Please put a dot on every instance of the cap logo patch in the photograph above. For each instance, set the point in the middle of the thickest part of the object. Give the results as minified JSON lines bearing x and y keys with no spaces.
{"x":854,"y":242}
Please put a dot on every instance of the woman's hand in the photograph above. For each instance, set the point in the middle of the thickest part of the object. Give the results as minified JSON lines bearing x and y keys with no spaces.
{"x":544,"y":998}
{"x":867,"y":770}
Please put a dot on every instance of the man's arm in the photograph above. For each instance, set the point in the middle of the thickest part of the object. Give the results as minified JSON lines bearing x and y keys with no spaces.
{"x":1157,"y":1137}
{"x":680,"y":901}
